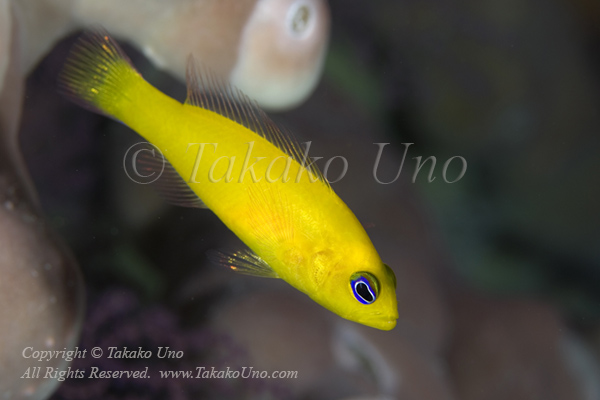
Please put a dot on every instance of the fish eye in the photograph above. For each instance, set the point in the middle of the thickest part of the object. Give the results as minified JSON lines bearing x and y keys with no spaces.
{"x":365,"y":287}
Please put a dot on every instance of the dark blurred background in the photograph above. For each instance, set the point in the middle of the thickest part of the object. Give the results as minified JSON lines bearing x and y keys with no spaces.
{"x":513,"y":87}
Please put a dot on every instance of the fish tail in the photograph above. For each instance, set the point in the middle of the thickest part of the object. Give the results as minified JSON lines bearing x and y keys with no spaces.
{"x":98,"y":75}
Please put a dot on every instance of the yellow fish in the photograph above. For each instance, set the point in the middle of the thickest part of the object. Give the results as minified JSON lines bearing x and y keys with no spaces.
{"x":241,"y":166}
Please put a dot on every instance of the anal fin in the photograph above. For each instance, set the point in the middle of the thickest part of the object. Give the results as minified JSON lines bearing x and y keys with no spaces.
{"x":169,"y":184}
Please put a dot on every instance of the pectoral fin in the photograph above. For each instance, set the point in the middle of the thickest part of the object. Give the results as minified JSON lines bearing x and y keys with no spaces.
{"x":243,"y":261}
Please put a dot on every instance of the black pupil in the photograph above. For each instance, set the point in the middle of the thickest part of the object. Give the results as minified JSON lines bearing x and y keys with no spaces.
{"x":363,"y":291}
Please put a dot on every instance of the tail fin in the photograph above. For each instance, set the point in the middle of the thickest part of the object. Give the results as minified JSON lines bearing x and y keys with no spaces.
{"x":97,"y":74}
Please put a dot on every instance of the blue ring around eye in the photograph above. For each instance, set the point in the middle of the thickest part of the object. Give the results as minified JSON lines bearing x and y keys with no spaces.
{"x":363,"y":292}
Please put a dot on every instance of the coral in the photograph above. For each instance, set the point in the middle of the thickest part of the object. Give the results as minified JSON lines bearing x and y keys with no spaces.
{"x":41,"y":299}
{"x":271,"y":49}
{"x":41,"y":293}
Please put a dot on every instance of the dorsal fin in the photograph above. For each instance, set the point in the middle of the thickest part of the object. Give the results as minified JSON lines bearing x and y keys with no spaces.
{"x":207,"y":91}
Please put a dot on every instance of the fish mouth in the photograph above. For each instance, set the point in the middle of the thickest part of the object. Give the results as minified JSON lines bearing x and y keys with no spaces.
{"x":384,"y":323}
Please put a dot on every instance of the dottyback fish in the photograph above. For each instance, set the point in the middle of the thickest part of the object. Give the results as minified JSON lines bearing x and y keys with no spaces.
{"x":228,"y":156}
